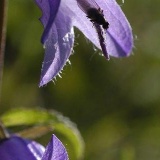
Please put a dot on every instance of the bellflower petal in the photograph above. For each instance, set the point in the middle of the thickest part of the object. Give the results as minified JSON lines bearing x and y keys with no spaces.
{"x":58,"y":38}
{"x":55,"y":150}
{"x":16,"y":148}
{"x":49,"y":10}
{"x":60,"y":16}
{"x":118,"y":36}
{"x":58,"y":47}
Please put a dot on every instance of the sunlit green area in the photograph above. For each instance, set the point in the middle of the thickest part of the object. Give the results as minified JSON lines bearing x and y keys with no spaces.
{"x":115,"y":104}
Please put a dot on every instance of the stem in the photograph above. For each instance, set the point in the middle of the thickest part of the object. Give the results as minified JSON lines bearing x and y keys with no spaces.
{"x":3,"y":132}
{"x":3,"y":20}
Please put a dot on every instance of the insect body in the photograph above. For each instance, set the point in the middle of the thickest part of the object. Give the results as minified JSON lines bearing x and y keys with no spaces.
{"x":93,"y":11}
{"x":96,"y":16}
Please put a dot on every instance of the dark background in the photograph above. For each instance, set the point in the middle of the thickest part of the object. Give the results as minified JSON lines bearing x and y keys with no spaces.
{"x":115,"y":104}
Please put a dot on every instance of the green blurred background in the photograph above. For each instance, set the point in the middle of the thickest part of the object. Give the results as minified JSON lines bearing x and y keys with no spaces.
{"x":115,"y":104}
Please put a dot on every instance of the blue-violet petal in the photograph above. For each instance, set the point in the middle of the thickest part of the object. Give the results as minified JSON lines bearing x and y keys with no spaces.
{"x":55,"y":150}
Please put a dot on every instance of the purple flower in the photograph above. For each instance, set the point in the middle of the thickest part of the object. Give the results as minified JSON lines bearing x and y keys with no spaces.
{"x":60,"y":16}
{"x":17,"y":148}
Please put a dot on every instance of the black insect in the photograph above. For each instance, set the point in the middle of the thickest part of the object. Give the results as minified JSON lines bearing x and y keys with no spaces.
{"x":93,"y":12}
{"x":96,"y":16}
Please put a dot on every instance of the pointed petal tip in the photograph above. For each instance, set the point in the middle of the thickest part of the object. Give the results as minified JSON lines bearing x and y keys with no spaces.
{"x":60,"y":147}
{"x":43,"y":82}
{"x":55,"y":150}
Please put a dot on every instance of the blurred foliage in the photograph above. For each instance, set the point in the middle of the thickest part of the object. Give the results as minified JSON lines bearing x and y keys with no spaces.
{"x":115,"y":104}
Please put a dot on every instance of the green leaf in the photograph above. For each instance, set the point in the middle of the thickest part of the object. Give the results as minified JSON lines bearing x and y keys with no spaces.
{"x":41,"y":117}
